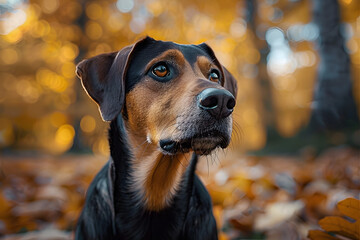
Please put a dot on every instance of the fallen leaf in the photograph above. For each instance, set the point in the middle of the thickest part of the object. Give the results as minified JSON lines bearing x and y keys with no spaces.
{"x":243,"y":223}
{"x":338,"y":225}
{"x":341,"y":226}
{"x":284,"y":231}
{"x":44,"y":209}
{"x":46,"y":234}
{"x":286,"y":182}
{"x":276,"y":213}
{"x":222,"y":236}
{"x":320,"y":235}
{"x":350,"y":207}
{"x":51,"y":193}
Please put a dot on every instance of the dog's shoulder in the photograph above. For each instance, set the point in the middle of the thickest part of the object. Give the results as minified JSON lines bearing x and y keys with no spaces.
{"x":200,"y":221}
{"x":99,"y":207}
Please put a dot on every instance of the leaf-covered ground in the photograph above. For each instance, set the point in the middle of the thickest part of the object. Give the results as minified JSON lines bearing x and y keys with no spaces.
{"x":268,"y":197}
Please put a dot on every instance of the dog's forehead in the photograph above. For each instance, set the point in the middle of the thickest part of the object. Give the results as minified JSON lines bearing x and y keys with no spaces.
{"x":192,"y":52}
{"x":156,"y":48}
{"x":152,"y":49}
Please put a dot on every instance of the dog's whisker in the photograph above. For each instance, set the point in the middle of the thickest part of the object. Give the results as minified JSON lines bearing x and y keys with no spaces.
{"x":140,"y":145}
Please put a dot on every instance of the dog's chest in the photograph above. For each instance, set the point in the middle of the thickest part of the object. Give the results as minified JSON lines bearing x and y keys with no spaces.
{"x":139,"y":224}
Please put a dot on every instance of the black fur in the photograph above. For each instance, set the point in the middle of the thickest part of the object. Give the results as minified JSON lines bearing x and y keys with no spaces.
{"x":109,"y":212}
{"x":113,"y":209}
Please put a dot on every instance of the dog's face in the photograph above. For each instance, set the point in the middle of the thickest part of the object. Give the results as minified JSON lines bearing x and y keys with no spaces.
{"x":177,"y":97}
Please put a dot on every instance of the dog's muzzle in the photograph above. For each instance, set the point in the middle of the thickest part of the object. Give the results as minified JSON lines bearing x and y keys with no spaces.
{"x":216,"y":104}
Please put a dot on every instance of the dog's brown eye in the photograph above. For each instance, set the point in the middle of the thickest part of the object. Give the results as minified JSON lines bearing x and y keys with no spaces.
{"x":214,"y":76}
{"x":161,"y":70}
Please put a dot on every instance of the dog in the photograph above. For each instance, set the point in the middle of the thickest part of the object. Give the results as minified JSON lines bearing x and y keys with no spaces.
{"x":167,"y":104}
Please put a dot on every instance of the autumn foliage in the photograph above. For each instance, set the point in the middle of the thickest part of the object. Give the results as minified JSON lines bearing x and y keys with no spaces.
{"x":42,"y":41}
{"x":334,"y":226}
{"x":272,"y":183}
{"x":269,"y":197}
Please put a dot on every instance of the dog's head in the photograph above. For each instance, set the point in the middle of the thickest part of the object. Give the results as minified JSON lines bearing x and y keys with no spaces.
{"x":177,"y":97}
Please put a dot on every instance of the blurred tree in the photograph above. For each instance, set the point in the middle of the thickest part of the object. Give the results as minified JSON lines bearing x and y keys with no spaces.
{"x":43,"y":106}
{"x":78,"y":144}
{"x":262,"y":77}
{"x":333,"y":105}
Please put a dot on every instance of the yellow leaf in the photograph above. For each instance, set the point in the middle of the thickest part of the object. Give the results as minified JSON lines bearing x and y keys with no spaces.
{"x":341,"y":226}
{"x":222,"y":236}
{"x":320,"y":235}
{"x":350,"y":207}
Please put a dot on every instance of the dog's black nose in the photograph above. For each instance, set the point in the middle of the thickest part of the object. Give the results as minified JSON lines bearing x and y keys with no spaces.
{"x":218,"y":102}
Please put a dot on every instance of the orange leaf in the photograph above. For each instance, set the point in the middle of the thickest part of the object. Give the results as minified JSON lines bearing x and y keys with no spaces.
{"x":341,"y":226}
{"x":350,"y":207}
{"x":222,"y":236}
{"x":320,"y":235}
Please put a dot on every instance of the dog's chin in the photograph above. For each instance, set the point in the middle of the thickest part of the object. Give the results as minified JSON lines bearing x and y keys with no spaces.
{"x":202,"y":144}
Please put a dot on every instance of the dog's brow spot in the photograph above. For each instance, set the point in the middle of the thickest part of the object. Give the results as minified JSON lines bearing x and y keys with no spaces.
{"x":204,"y":64}
{"x":172,"y":54}
{"x":176,"y":55}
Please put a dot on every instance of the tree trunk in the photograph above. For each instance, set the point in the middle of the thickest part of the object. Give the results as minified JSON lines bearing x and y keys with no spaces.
{"x":78,"y":145}
{"x":333,"y":106}
{"x":263,"y":80}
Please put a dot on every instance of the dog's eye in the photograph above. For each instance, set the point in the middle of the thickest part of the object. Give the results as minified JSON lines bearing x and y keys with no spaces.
{"x":161,"y":70}
{"x":214,"y":75}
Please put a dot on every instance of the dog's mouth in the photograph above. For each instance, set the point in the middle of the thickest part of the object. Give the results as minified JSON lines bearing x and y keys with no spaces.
{"x":201,"y":144}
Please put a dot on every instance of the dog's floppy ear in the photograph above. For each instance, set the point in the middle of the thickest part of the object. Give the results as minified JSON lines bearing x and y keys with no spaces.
{"x":103,"y":78}
{"x":94,"y":74}
{"x":230,"y":82}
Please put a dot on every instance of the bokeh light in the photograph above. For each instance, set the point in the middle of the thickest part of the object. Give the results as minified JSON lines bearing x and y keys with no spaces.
{"x":274,"y":58}
{"x":64,"y":137}
{"x":125,"y":6}
{"x":88,"y":124}
{"x":12,"y":21}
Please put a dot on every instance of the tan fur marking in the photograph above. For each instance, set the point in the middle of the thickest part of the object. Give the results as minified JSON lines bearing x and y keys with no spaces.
{"x":171,"y":55}
{"x":153,"y":109}
{"x":204,"y":65}
{"x":163,"y":180}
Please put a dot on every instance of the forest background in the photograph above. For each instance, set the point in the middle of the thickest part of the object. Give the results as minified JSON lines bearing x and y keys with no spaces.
{"x":295,"y":149}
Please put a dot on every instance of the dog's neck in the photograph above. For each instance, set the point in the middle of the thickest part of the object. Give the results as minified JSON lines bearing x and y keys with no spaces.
{"x":154,"y":177}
